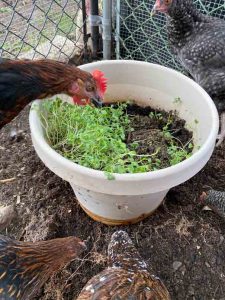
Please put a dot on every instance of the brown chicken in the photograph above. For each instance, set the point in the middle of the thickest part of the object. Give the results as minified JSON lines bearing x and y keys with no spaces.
{"x":214,"y":200}
{"x":127,"y":276}
{"x":25,"y":266}
{"x":22,"y":81}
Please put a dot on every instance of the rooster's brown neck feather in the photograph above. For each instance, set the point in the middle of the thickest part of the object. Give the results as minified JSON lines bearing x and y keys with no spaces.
{"x":24,"y":81}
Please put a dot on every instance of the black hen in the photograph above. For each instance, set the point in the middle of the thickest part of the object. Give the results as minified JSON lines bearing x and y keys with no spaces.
{"x":198,"y":41}
{"x":215,"y":200}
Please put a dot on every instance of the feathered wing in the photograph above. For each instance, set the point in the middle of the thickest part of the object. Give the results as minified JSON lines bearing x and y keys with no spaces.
{"x":204,"y":57}
{"x":206,"y":46}
{"x":15,"y":283}
{"x":119,"y":284}
{"x":17,"y":89}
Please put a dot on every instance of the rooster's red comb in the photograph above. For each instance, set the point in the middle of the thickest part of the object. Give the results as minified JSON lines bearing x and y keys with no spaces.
{"x":100,"y":80}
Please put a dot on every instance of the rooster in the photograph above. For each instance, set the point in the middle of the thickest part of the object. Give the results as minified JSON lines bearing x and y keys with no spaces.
{"x":22,"y":81}
{"x":198,"y":41}
{"x":26,"y":266}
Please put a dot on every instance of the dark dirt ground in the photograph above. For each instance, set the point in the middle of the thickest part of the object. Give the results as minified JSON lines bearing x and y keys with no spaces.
{"x":184,"y":245}
{"x":148,"y":132}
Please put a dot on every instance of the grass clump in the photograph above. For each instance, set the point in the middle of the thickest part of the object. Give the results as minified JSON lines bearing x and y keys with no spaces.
{"x":96,"y":138}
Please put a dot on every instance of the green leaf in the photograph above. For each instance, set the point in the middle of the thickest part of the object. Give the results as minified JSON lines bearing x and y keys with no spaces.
{"x":109,"y":176}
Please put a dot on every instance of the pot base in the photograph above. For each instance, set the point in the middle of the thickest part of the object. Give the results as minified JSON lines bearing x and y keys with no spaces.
{"x":117,"y":209}
{"x":112,"y":222}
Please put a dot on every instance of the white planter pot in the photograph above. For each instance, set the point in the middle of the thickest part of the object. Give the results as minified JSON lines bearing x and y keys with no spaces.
{"x":131,"y":197}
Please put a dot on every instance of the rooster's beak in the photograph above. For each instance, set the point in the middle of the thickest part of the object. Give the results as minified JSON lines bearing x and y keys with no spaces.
{"x":97,"y":101}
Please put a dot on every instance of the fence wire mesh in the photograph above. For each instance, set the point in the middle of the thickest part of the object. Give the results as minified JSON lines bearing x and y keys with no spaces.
{"x":41,"y":28}
{"x":141,"y":37}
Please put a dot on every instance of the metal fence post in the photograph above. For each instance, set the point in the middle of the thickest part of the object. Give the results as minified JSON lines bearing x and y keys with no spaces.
{"x":107,"y":28}
{"x":94,"y":29}
{"x":117,"y":36}
{"x":85,"y":35}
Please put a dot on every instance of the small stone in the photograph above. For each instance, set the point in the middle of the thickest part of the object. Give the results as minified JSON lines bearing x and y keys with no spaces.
{"x":7,"y":214}
{"x":16,"y":135}
{"x":18,"y":199}
{"x":198,"y":247}
{"x":191,"y":290}
{"x":206,"y":208}
{"x":12,"y":134}
{"x":183,"y":270}
{"x":207,"y":264}
{"x":84,"y":280}
{"x":176,"y":265}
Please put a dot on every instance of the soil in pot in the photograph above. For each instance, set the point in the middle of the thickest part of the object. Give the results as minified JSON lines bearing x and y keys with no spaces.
{"x":161,"y":133}
{"x":118,"y":138}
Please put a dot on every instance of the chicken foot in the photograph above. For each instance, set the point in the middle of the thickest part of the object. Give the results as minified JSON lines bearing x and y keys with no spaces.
{"x":221,"y":135}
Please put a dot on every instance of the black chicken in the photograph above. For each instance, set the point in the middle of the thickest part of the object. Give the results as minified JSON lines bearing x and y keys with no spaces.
{"x":198,"y":41}
{"x":215,"y":200}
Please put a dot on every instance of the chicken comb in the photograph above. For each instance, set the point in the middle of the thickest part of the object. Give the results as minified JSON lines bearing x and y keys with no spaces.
{"x":99,"y":76}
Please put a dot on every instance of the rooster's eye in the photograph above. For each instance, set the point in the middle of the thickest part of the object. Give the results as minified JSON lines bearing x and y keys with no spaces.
{"x":90,"y":88}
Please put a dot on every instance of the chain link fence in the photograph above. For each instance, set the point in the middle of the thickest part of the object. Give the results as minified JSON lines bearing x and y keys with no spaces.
{"x":57,"y":29}
{"x":142,"y":37}
{"x":42,"y":28}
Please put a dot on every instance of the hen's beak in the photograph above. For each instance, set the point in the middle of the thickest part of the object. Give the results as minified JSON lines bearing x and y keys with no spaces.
{"x":96,"y":101}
